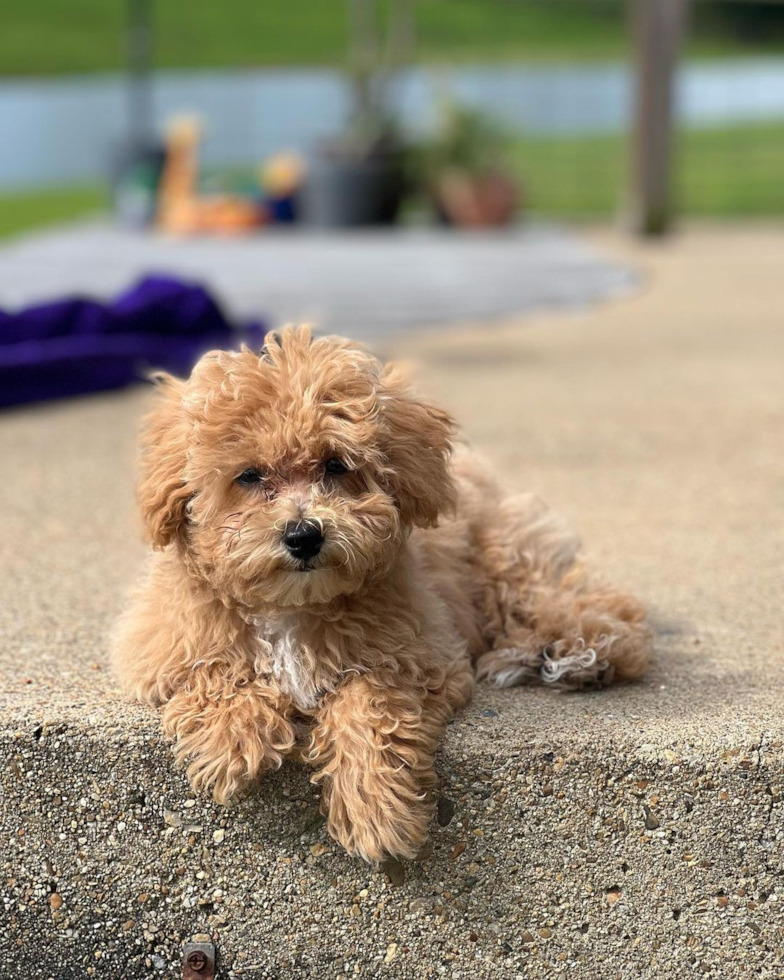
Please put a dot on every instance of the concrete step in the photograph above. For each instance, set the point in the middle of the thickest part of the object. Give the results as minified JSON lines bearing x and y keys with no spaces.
{"x":569,"y":841}
{"x":635,"y":832}
{"x":573,"y":843}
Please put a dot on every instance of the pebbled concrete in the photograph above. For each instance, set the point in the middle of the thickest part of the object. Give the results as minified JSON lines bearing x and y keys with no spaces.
{"x":636,"y":832}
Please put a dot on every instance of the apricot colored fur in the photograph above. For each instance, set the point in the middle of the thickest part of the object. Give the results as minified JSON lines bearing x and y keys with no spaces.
{"x":429,"y":574}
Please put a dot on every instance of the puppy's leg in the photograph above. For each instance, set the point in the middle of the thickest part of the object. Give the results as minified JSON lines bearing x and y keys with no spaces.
{"x":547,"y":621}
{"x":375,"y":743}
{"x":229,"y":735}
{"x":195,"y":658}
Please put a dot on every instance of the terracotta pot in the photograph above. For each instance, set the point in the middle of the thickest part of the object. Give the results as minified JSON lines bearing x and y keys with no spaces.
{"x":476,"y":201}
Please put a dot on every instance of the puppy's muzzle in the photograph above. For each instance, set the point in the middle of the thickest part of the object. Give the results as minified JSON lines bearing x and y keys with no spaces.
{"x":303,"y":539}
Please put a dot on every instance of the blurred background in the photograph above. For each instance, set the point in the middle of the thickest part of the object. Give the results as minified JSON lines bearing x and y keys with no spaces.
{"x":85,"y":83}
{"x":232,"y":145}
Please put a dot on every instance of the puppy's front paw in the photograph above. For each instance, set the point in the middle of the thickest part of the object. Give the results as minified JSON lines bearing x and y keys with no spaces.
{"x":376,"y":817}
{"x":227,"y":743}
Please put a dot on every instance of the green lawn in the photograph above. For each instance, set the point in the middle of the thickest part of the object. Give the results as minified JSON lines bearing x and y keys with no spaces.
{"x":720,"y":173}
{"x":33,"y":209}
{"x":51,"y":36}
{"x":55,"y":36}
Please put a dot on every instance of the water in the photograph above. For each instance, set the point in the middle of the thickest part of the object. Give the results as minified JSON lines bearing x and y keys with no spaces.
{"x":59,"y":131}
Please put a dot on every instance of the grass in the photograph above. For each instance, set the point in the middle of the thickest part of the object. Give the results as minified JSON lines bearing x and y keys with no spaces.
{"x":732,"y":172}
{"x":53,"y":37}
{"x":34,"y":209}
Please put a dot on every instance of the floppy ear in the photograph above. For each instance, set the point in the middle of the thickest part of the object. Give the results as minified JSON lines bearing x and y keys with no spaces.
{"x":418,"y":450}
{"x":162,"y":491}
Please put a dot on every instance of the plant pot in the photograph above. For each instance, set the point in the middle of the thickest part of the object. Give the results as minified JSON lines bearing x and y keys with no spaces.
{"x":476,"y":200}
{"x":350,"y":190}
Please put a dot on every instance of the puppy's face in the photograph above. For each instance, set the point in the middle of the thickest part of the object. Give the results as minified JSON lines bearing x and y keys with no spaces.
{"x":292,"y":477}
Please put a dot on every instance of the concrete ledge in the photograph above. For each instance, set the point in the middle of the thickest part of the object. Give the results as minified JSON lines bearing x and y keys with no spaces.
{"x":636,"y":832}
{"x":576,"y":847}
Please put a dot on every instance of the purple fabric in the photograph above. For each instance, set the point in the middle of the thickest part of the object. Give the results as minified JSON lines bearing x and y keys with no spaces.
{"x":74,"y":346}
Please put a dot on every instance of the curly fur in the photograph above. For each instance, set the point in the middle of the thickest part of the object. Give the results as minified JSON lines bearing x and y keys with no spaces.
{"x":429,"y":573}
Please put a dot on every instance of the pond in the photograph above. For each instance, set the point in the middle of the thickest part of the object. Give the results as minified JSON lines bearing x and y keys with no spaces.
{"x":59,"y":131}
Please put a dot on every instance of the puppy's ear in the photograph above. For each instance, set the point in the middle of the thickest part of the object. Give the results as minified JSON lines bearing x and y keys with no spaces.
{"x":418,"y":450}
{"x":162,"y":491}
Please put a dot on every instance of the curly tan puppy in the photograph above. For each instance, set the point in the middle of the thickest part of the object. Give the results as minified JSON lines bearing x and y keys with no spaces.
{"x":324,"y":561}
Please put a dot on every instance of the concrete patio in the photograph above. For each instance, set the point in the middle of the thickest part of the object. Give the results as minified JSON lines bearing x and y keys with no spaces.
{"x":636,"y":832}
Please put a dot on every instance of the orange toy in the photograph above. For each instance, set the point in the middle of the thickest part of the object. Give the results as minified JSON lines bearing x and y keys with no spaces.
{"x":181,"y":210}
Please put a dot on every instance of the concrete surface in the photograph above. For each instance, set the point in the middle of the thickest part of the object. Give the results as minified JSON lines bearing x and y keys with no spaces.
{"x":364,"y":283}
{"x":635,"y":832}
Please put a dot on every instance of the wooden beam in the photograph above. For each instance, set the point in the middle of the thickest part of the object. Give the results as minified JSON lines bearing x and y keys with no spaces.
{"x":657,"y":31}
{"x":139,"y":54}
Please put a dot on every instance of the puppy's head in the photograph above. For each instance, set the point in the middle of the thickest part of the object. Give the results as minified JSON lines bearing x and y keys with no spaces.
{"x":293,"y":476}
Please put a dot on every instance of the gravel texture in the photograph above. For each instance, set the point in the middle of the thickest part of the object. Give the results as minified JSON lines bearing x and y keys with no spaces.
{"x":636,"y":832}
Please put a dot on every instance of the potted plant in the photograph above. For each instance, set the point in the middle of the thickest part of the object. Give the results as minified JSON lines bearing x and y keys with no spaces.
{"x":358,"y":177}
{"x":464,"y":171}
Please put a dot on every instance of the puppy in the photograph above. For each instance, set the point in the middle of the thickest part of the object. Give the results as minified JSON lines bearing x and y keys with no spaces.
{"x":327,"y":564}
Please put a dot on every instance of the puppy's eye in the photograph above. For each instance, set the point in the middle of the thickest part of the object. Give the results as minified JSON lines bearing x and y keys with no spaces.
{"x":335,"y":467}
{"x":250,"y":477}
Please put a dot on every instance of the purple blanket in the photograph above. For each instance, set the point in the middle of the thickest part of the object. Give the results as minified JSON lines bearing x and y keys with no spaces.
{"x":74,"y":346}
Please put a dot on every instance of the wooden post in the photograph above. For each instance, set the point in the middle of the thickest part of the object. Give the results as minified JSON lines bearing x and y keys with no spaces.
{"x":139,"y":47}
{"x":657,"y":28}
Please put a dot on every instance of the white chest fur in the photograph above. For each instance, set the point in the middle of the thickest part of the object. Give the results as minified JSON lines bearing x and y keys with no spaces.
{"x":287,"y":661}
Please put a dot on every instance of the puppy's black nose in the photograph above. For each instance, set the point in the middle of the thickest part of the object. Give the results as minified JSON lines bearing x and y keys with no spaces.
{"x":303,"y":539}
